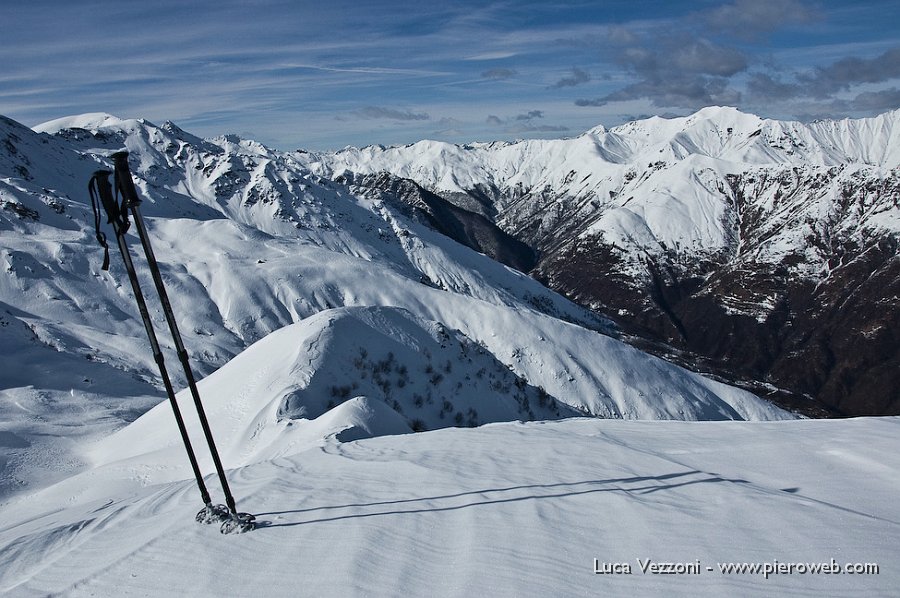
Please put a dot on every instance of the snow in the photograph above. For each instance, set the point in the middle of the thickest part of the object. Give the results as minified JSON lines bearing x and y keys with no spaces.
{"x":508,"y":509}
{"x":325,"y":328}
{"x":303,"y":375}
{"x":720,"y":133}
{"x":657,"y":185}
{"x":89,"y":121}
{"x":251,"y":243}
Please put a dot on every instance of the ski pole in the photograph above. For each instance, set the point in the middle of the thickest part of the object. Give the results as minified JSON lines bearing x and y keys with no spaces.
{"x":99,"y":186}
{"x":131,"y":201}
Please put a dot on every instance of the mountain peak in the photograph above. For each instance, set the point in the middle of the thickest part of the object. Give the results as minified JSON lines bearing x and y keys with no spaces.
{"x":718,"y":111}
{"x":90,"y":121}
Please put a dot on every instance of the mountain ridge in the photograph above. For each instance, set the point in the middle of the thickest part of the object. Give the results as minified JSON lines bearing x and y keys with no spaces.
{"x":653,"y":222}
{"x":251,"y":242}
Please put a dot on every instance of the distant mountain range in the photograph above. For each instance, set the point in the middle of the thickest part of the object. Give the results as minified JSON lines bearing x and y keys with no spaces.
{"x":765,"y":251}
{"x":372,"y":297}
{"x":761,"y":252}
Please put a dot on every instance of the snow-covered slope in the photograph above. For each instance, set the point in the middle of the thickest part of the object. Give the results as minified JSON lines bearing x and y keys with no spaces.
{"x":250,"y":242}
{"x":694,"y":229}
{"x":410,"y":374}
{"x":512,"y":509}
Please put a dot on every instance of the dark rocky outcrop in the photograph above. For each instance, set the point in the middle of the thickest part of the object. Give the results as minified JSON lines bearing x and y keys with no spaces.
{"x":467,"y":227}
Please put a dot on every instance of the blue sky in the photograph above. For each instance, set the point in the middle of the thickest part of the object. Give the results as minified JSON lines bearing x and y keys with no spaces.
{"x":322,"y":75}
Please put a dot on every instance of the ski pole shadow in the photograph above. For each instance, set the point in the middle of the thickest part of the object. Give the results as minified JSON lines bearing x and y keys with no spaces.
{"x":492,"y":496}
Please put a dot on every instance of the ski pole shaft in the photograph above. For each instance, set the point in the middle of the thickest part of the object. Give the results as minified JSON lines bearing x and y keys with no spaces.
{"x":132,"y":201}
{"x":105,"y":192}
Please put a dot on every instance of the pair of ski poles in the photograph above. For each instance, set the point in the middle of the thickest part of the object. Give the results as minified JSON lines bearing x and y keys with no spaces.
{"x":117,"y":213}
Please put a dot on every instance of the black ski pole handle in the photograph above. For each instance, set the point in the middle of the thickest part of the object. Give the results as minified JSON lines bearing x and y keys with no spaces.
{"x":115,"y":214}
{"x":124,"y":181}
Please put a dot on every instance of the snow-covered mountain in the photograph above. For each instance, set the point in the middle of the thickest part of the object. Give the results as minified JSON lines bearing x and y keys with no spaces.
{"x":330,"y":318}
{"x":251,"y":242}
{"x":767,"y":247}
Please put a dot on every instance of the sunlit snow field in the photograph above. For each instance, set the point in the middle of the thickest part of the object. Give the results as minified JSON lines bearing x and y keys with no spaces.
{"x":506,"y":509}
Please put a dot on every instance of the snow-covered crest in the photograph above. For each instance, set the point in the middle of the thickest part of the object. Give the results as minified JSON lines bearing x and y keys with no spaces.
{"x":666,"y":178}
{"x":721,"y":133}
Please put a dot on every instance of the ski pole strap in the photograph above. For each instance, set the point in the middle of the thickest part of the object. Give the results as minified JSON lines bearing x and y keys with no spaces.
{"x":102,"y":194}
{"x":93,"y":189}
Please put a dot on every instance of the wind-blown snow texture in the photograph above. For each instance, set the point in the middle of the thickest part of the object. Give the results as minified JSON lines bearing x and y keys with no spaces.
{"x":507,"y":509}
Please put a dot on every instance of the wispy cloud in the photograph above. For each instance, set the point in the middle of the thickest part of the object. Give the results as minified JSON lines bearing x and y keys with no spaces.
{"x":844,"y":73}
{"x":746,"y":18}
{"x":360,"y":69}
{"x":391,"y":113}
{"x":867,"y":101}
{"x":530,"y":115}
{"x":524,"y":122}
{"x":375,"y":72}
{"x":577,"y":77}
{"x":499,"y":73}
{"x":678,"y":72}
{"x":822,"y":82}
{"x":541,"y":129}
{"x":698,"y":60}
{"x":495,"y":55}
